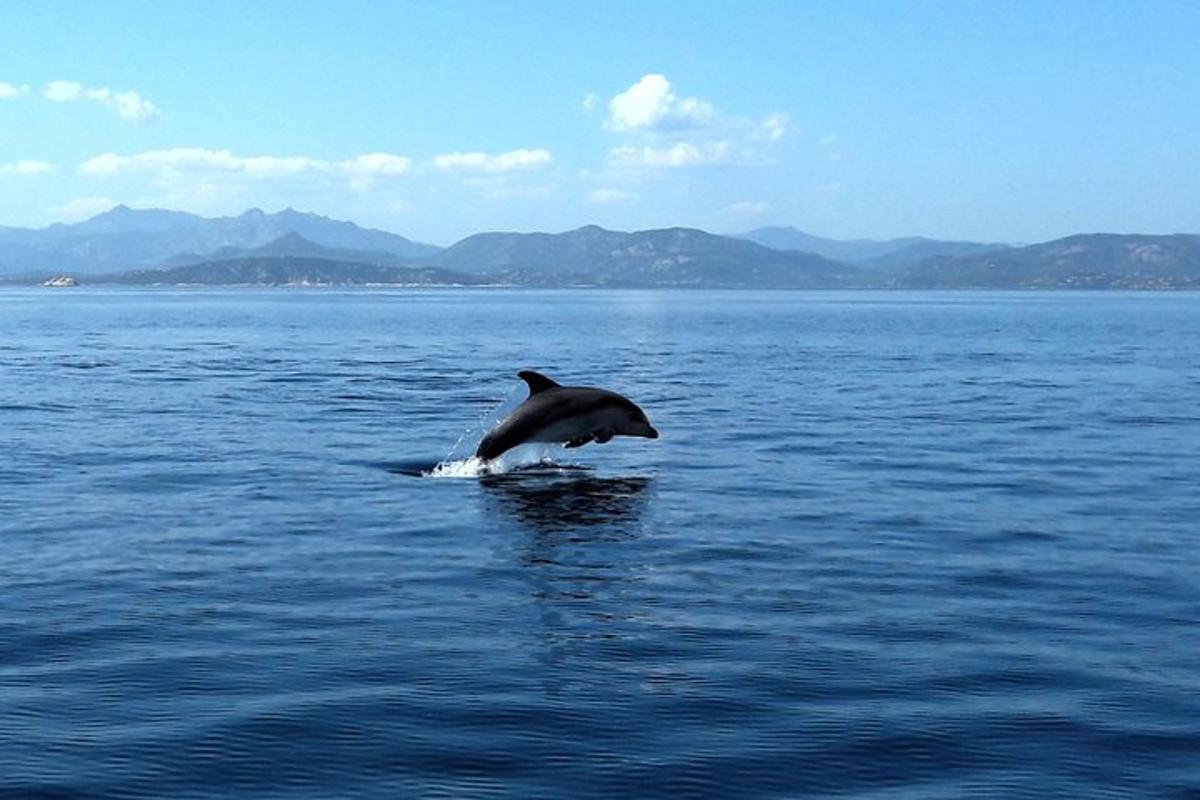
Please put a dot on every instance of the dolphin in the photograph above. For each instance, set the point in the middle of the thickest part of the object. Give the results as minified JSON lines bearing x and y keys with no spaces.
{"x":574,"y":415}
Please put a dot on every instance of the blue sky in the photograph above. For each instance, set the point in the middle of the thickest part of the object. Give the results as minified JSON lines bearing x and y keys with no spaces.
{"x":990,"y":121}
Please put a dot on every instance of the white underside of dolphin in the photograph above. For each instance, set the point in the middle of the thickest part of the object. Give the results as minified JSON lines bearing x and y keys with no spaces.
{"x":573,"y":415}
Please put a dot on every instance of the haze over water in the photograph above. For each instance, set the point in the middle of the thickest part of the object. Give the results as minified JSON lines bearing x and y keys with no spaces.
{"x":889,"y":545}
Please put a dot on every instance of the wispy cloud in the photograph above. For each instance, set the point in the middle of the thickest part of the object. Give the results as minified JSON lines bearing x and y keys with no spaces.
{"x":681,"y":154}
{"x":376,"y":164}
{"x":128,"y":105}
{"x":26,"y":167}
{"x":364,"y":170}
{"x":747,"y":208}
{"x":201,"y":160}
{"x":775,"y":126}
{"x":512,"y":161}
{"x":9,"y":91}
{"x":611,"y":196}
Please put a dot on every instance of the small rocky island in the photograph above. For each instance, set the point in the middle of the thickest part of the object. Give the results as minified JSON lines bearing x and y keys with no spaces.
{"x":59,"y":281}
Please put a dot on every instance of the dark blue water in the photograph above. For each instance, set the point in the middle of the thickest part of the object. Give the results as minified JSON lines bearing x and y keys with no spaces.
{"x":889,"y":545}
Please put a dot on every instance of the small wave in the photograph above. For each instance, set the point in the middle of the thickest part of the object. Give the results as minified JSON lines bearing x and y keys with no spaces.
{"x":463,"y":468}
{"x":475,"y":467}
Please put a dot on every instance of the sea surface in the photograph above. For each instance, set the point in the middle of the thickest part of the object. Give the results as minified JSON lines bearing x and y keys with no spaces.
{"x":889,"y":545}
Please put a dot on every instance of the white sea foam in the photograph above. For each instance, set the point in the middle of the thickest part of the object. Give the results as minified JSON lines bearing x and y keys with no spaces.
{"x":527,"y":457}
{"x":459,"y":463}
{"x":462,"y":468}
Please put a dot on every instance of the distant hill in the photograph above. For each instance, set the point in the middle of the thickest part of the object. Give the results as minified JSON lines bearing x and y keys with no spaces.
{"x":671,"y":257}
{"x":158,"y":246}
{"x":1085,"y":261}
{"x":284,"y":270}
{"x":291,"y":245}
{"x":922,"y":249}
{"x":126,"y":238}
{"x":884,"y":255}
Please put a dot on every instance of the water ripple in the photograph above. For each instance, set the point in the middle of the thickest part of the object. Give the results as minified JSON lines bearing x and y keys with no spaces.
{"x":888,"y":545}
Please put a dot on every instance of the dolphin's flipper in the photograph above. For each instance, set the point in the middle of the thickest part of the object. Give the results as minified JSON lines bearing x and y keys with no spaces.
{"x":537,"y":381}
{"x":602,"y":436}
{"x":580,"y":442}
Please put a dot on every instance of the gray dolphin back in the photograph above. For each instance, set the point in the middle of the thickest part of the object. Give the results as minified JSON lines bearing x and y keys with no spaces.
{"x":550,"y":408}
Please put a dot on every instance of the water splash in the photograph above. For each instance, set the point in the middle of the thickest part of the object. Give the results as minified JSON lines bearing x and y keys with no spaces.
{"x":464,"y":447}
{"x":461,"y":462}
{"x":526,"y":458}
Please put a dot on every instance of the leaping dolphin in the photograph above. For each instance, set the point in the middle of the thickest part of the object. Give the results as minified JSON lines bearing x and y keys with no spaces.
{"x":574,"y":415}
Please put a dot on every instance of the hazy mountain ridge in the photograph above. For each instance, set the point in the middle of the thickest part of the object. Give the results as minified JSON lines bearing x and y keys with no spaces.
{"x":681,"y":257}
{"x":880,"y":254}
{"x":1083,"y":261}
{"x":125,"y":238}
{"x":295,"y":246}
{"x":101,"y":250}
{"x":287,"y":270}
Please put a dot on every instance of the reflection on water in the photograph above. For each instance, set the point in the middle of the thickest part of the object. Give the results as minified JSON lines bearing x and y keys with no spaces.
{"x":909,"y":583}
{"x":558,"y":502}
{"x":582,"y":559}
{"x":419,"y":468}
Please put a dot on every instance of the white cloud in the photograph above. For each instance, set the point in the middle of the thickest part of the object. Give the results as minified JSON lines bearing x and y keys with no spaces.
{"x":651,"y":105}
{"x":82,"y":208}
{"x":682,"y":154}
{"x":106,"y":164}
{"x":133,"y":107}
{"x":611,"y":196}
{"x":64,"y":91}
{"x":499,"y":163}
{"x":129,"y":105}
{"x":775,"y":126}
{"x":192,"y":160}
{"x":590,"y":102}
{"x":377,"y":164}
{"x":10,"y":90}
{"x":663,"y":131}
{"x":26,"y":167}
{"x":364,"y":170}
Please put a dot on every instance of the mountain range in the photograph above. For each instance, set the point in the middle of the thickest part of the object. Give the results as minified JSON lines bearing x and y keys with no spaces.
{"x":292,"y":270}
{"x":126,"y":239}
{"x":154,"y":246}
{"x":1086,"y":261}
{"x":879,"y":254}
{"x":671,"y":257}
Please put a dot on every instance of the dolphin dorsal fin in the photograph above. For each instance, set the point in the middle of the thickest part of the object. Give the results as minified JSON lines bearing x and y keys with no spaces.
{"x":537,"y":381}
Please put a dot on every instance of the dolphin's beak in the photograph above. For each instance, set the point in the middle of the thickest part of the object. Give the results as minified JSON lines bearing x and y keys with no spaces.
{"x":651,"y":433}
